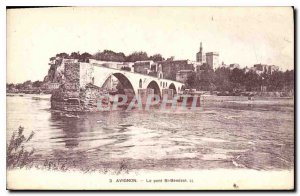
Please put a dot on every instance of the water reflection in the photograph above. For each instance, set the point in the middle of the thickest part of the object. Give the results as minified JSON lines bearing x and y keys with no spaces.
{"x":69,"y":127}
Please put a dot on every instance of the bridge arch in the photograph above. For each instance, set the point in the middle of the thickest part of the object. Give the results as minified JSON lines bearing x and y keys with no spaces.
{"x":154,"y":85}
{"x":123,"y":80}
{"x":130,"y":80}
{"x":172,"y":86}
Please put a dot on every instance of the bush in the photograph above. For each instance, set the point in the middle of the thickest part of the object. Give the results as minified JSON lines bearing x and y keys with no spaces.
{"x":17,"y":154}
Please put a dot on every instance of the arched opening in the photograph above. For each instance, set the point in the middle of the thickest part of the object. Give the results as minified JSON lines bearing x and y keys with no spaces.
{"x":118,"y":83}
{"x":153,"y":85}
{"x":172,"y":86}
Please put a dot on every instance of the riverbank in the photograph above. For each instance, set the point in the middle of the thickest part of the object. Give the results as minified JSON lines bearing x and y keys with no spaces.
{"x":38,"y":96}
{"x":217,"y":179}
{"x":30,"y":91}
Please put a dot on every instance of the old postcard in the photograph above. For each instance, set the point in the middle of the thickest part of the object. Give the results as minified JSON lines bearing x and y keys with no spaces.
{"x":150,"y":98}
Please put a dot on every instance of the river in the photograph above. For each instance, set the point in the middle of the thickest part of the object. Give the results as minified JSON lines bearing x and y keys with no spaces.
{"x":234,"y":134}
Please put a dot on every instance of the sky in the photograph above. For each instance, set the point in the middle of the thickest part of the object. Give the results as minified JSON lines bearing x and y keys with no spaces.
{"x":243,"y":35}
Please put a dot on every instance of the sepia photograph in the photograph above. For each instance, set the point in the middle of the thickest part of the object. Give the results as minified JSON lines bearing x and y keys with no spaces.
{"x":150,"y":98}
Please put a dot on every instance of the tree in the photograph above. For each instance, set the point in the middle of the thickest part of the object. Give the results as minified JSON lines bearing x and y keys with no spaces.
{"x":75,"y":55}
{"x":62,"y":55}
{"x":276,"y":81}
{"x":137,"y":56}
{"x":205,"y":66}
{"x":222,"y":79}
{"x":251,"y":81}
{"x":156,"y":57}
{"x":289,"y":78}
{"x":206,"y":79}
{"x":37,"y":84}
{"x":237,"y":76}
{"x":10,"y":85}
{"x":19,"y":86}
{"x":191,"y":81}
{"x":108,"y":55}
{"x":84,"y":57}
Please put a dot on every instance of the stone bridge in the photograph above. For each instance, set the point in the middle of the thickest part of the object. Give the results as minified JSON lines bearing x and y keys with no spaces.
{"x":99,"y":75}
{"x":77,"y":94}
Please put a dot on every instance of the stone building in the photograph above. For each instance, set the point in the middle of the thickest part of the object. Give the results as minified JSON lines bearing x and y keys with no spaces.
{"x":145,"y":67}
{"x":212,"y":59}
{"x":171,"y":67}
{"x":272,"y":68}
{"x":263,"y":68}
{"x":260,"y":67}
{"x":183,"y":75}
{"x":209,"y":60}
{"x":230,"y":66}
{"x":233,"y":66}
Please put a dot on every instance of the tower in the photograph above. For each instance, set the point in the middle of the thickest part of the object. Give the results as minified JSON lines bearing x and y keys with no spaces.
{"x":212,"y":59}
{"x":199,"y":55}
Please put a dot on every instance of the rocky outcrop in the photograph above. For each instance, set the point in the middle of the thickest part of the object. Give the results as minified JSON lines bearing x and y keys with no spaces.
{"x":56,"y":71}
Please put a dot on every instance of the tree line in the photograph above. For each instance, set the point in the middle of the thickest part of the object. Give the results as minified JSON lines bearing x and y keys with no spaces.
{"x":25,"y":85}
{"x":224,"y":79}
{"x":109,"y":55}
